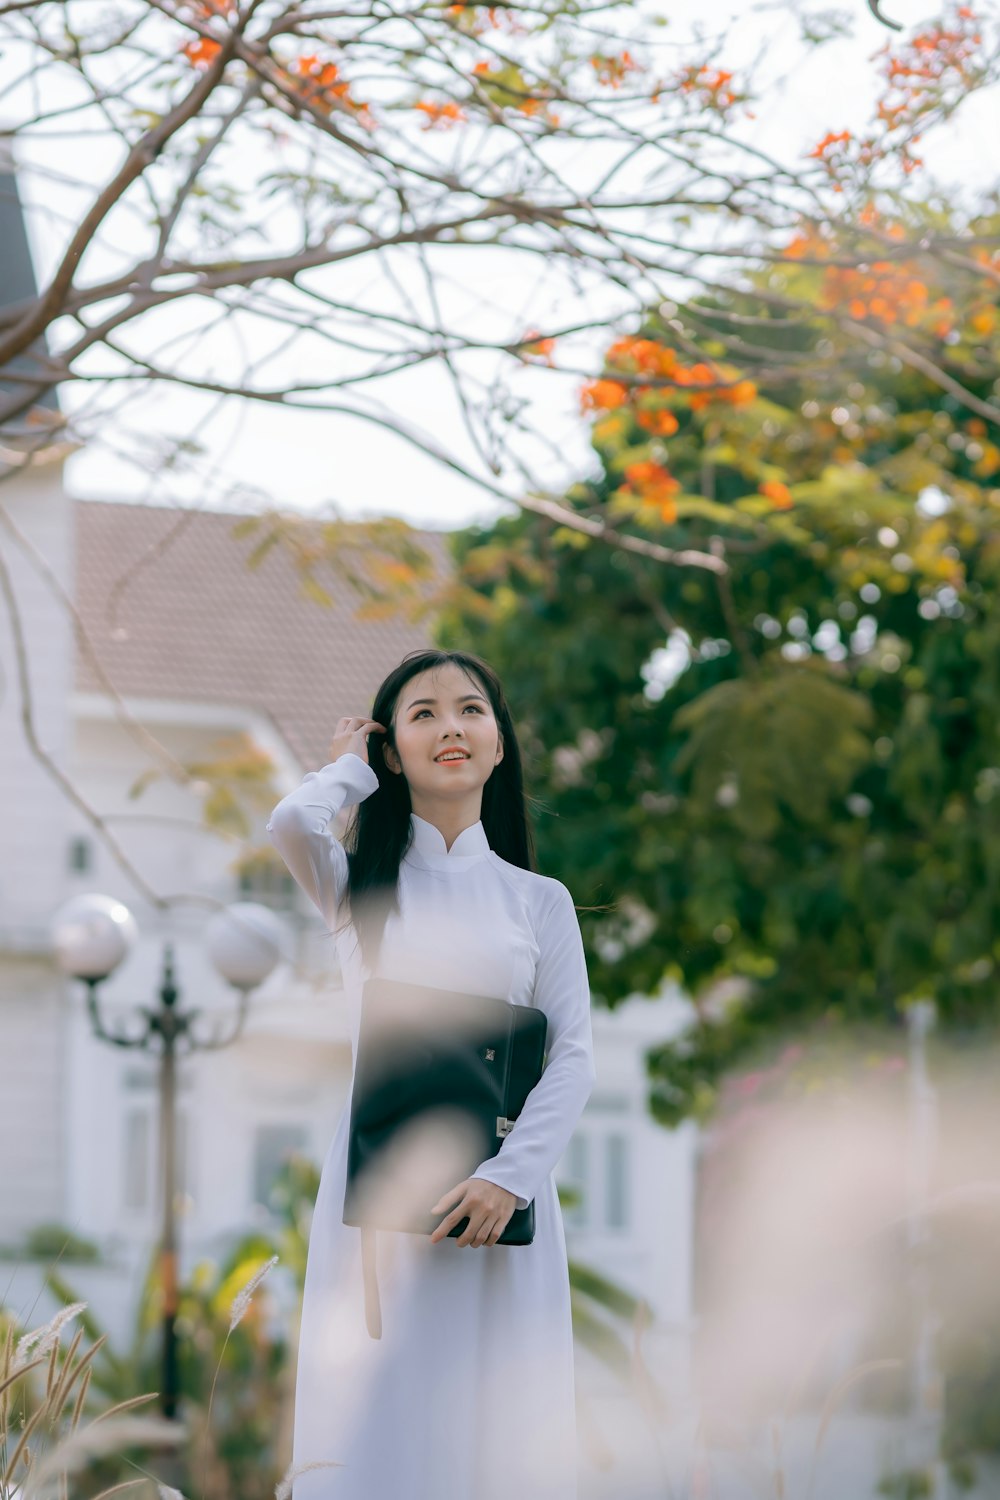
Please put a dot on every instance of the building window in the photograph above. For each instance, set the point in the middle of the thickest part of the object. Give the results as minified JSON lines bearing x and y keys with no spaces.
{"x":80,"y":855}
{"x":616,"y":1193}
{"x":575,"y":1175}
{"x":596,"y":1165}
{"x":273,"y":1145}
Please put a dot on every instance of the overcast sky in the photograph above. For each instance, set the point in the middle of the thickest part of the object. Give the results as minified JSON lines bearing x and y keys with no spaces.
{"x":307,"y":460}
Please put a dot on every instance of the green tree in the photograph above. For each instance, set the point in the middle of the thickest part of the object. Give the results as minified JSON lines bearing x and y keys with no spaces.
{"x":805,"y":805}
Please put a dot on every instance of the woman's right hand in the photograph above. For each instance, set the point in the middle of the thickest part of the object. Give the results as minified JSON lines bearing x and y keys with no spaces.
{"x":351,"y":738}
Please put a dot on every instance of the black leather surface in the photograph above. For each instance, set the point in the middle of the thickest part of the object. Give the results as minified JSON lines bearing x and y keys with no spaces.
{"x":423,"y":1050}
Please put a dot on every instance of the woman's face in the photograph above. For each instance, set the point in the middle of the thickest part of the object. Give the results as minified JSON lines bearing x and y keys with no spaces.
{"x":460,"y":716}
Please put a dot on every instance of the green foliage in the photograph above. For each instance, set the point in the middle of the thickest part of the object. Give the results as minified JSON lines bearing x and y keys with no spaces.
{"x":806,"y":805}
{"x":47,"y":1240}
{"x":788,"y":743}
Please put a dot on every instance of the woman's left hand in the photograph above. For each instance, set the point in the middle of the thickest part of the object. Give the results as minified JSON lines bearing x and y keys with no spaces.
{"x":486,"y":1205}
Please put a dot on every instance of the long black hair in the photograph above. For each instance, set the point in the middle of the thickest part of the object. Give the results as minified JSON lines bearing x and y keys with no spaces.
{"x":378,"y":834}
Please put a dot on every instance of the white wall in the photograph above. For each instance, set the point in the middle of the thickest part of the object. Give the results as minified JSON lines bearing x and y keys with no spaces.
{"x":33,"y":1115}
{"x":33,"y":813}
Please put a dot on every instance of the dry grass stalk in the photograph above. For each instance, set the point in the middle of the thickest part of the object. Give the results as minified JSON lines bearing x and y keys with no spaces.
{"x":242,"y":1300}
{"x":48,"y":1335}
{"x":42,"y":1441}
{"x":116,"y":1489}
{"x":237,"y":1312}
{"x":283,"y":1489}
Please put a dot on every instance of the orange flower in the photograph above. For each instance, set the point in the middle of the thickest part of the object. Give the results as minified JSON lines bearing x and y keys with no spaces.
{"x":698,"y":375}
{"x":611,"y":70}
{"x":542,"y":348}
{"x":831,"y":139}
{"x":711,"y":83}
{"x":481,"y":18}
{"x":643,"y":354}
{"x":739,"y":394}
{"x":603,"y":395}
{"x":779,"y":494}
{"x":885,"y":290}
{"x":655,"y":486}
{"x":808,"y":242}
{"x":651,"y":480}
{"x":444,"y":115}
{"x":660,"y":423}
{"x":936,"y":63}
{"x":202,"y":52}
{"x":319,"y":84}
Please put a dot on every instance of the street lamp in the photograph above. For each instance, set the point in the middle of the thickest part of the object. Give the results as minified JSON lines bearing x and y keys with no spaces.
{"x":91,"y":935}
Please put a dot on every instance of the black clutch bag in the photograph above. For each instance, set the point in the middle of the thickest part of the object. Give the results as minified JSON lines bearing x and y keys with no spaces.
{"x":462,"y":1063}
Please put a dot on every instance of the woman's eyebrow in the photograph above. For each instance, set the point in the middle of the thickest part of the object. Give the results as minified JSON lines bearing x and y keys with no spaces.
{"x":417,"y":701}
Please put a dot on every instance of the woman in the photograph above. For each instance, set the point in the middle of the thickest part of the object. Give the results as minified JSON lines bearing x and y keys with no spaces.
{"x":454,"y":1381}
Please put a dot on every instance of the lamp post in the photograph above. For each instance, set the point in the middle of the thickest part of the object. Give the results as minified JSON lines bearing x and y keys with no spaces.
{"x":91,"y":935}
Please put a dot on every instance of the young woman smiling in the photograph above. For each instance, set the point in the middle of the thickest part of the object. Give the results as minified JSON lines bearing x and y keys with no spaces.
{"x":451,"y":1376}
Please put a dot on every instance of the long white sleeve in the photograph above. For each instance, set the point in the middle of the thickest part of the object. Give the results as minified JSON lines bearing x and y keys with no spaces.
{"x":298,"y":829}
{"x":542,"y":1131}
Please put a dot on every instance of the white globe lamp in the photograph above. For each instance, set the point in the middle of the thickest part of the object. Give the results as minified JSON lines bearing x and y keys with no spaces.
{"x":246,"y":942}
{"x":91,"y":935}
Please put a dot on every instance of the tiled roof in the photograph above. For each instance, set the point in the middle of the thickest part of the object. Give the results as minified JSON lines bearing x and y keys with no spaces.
{"x":195,"y":622}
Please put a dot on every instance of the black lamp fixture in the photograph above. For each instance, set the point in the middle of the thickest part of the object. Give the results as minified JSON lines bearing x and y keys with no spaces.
{"x":91,"y":936}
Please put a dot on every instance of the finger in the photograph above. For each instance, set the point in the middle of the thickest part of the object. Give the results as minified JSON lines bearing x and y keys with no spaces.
{"x":455,"y":1196}
{"x":465,"y":1238}
{"x":489,"y":1232}
{"x":475,"y":1234}
{"x":448,"y":1223}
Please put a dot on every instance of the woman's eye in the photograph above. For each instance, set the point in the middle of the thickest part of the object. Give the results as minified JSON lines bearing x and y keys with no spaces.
{"x":475,"y":708}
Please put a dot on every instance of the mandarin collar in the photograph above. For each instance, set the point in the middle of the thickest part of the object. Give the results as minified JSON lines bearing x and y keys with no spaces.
{"x":429,"y":846}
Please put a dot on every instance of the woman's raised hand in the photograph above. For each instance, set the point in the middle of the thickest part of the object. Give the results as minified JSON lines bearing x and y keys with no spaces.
{"x":351,"y":738}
